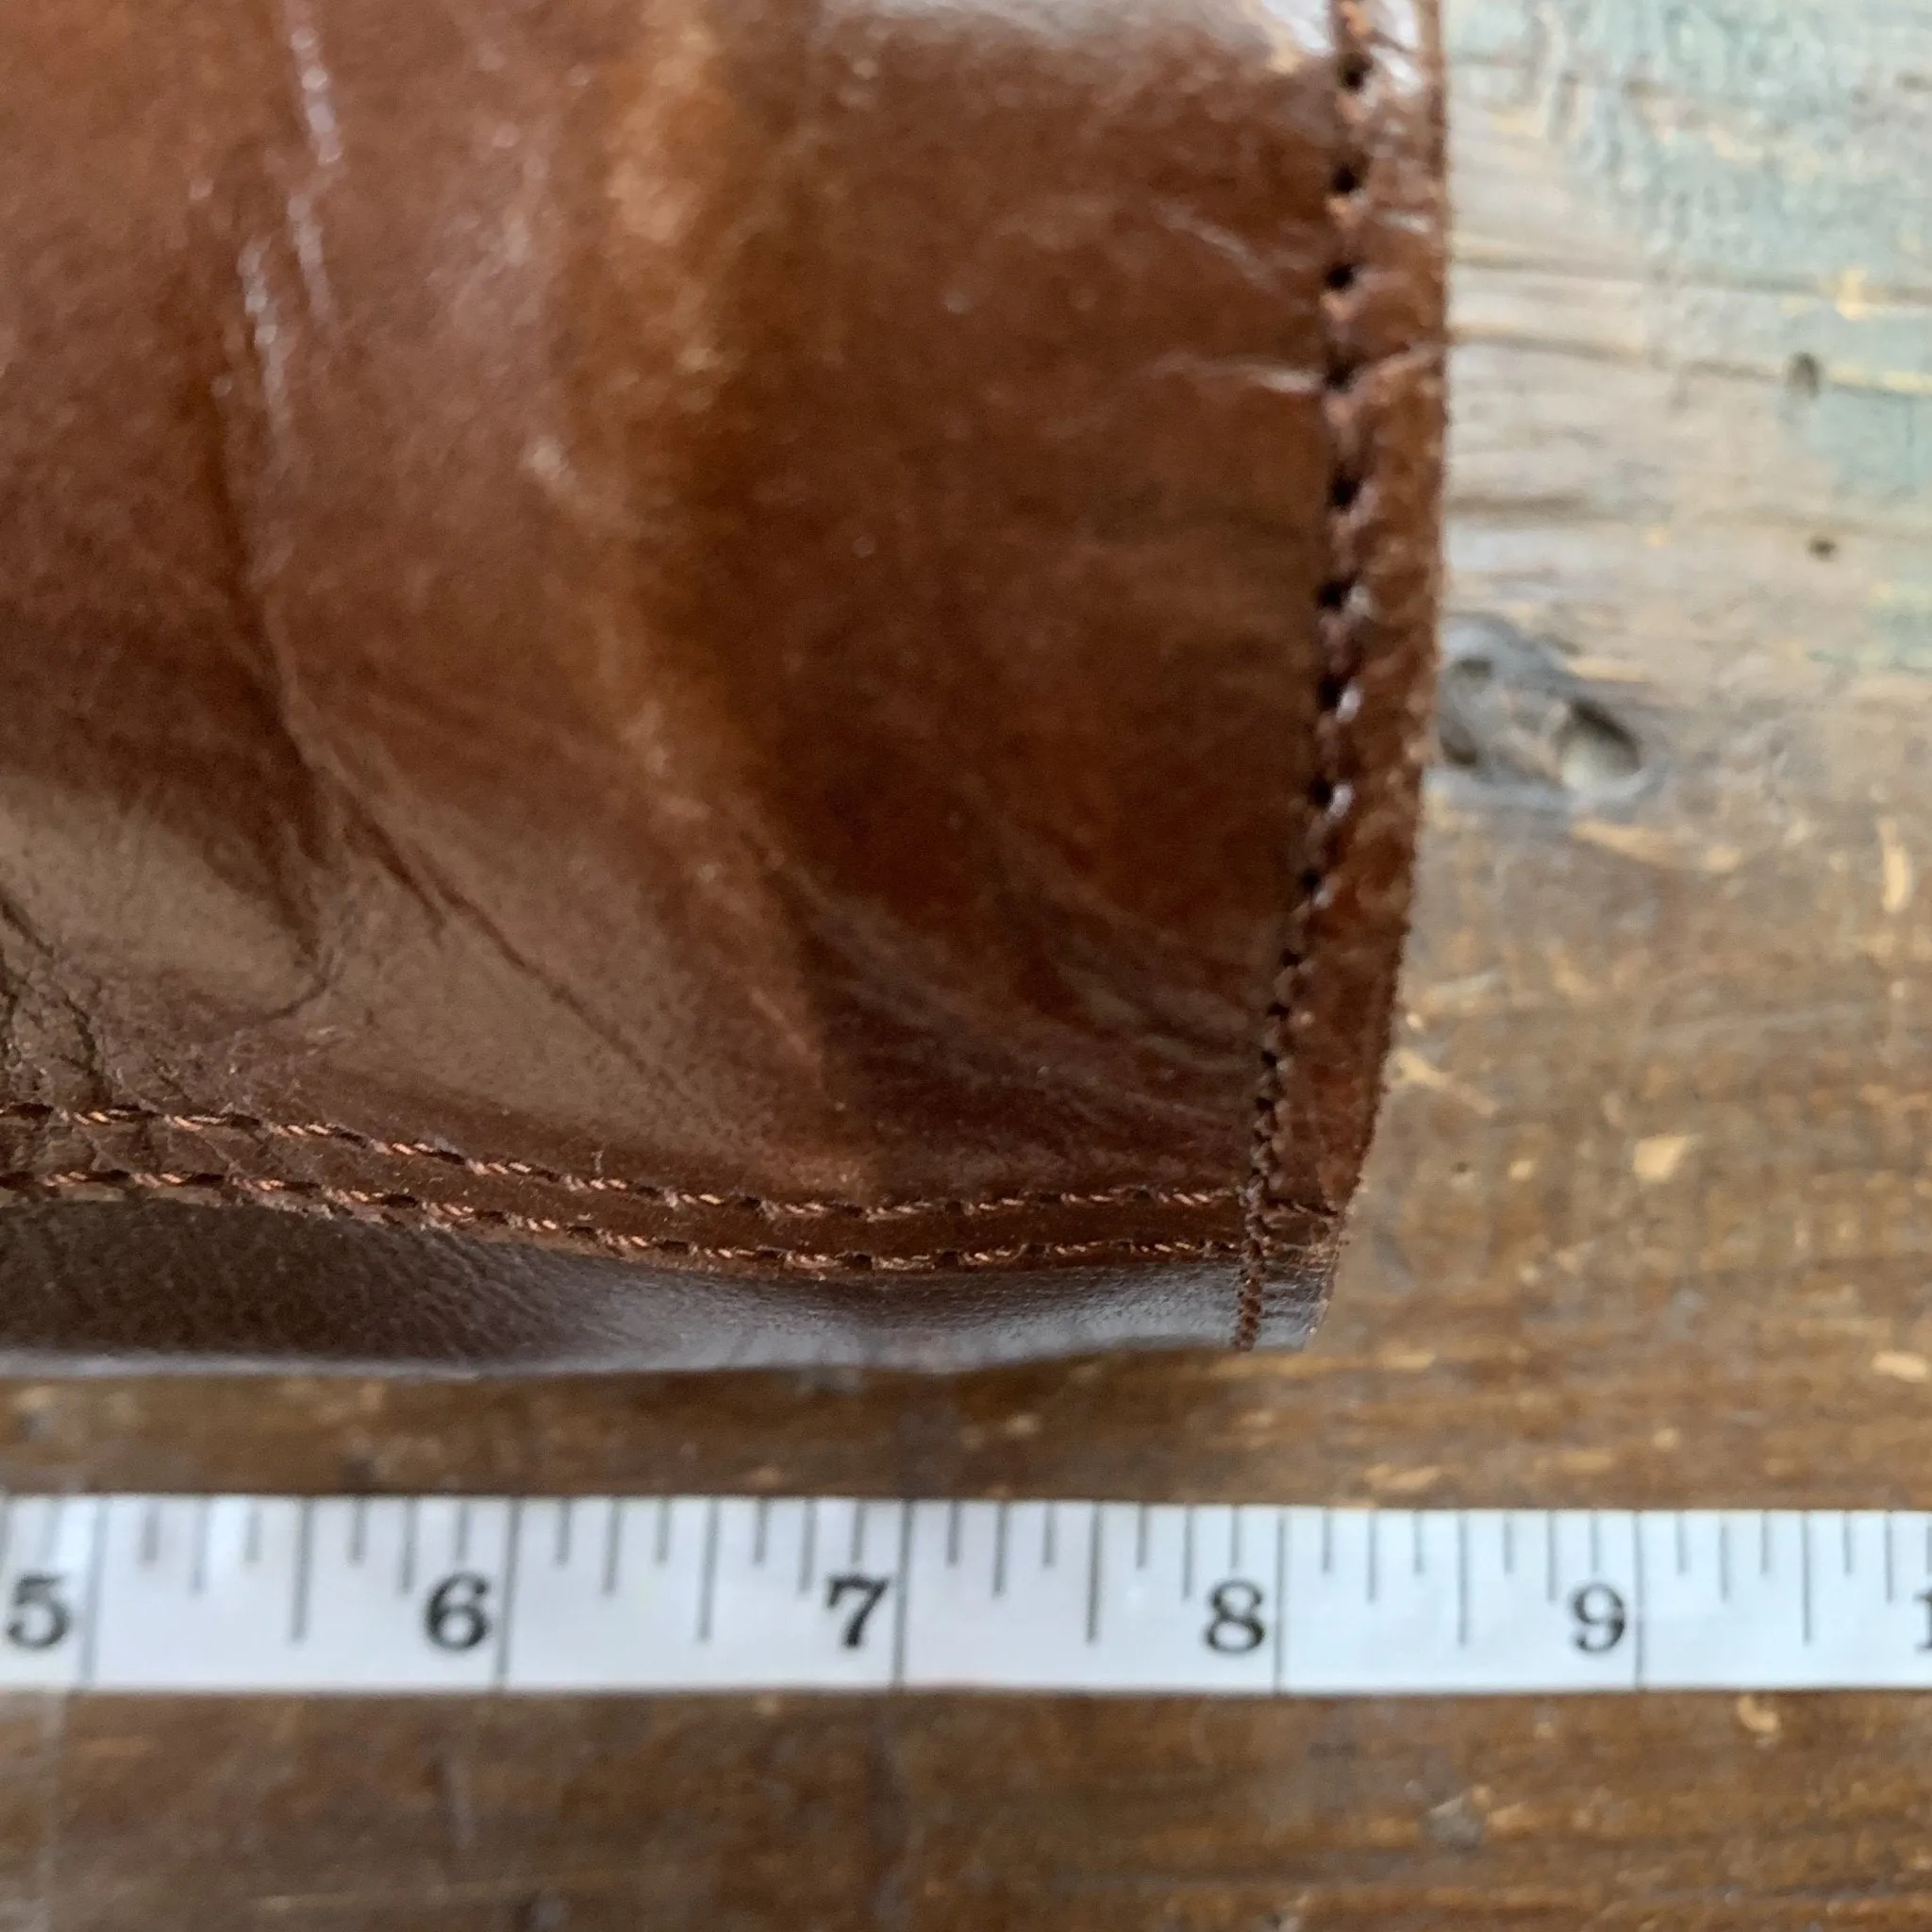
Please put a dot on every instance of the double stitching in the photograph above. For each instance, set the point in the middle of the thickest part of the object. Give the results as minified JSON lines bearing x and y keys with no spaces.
{"x":428,"y":1152}
{"x":368,"y":1203}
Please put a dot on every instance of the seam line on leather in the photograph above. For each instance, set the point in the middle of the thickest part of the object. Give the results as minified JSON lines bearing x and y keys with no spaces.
{"x":673,"y":1198}
{"x":1338,"y":696}
{"x":455,"y":1218}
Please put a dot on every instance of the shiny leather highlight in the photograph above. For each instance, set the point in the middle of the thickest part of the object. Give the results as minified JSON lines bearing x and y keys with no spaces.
{"x":756,"y":665}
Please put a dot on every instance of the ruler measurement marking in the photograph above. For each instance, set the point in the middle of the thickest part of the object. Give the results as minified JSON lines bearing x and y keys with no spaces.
{"x":807,"y":1546}
{"x":1093,"y":1577}
{"x":903,"y":1593}
{"x":1805,"y":1572}
{"x":96,"y":1570}
{"x":1640,"y":1610}
{"x":708,"y":1580}
{"x":1461,"y":1580}
{"x":999,"y":1550}
{"x":1280,"y":1658}
{"x":305,"y":1541}
{"x":613,"y":1545}
{"x":512,"y":1544}
{"x":235,"y":1595}
{"x":197,"y":1579}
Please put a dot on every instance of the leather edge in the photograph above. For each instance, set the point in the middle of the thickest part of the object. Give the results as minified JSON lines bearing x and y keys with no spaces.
{"x":1386,"y":317}
{"x":113,"y":1285}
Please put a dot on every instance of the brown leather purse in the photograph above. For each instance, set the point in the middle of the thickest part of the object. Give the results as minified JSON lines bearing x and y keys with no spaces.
{"x":708,"y":682}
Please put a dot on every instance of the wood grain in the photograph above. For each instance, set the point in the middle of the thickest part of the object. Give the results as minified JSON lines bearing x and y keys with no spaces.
{"x":1648,"y":1220}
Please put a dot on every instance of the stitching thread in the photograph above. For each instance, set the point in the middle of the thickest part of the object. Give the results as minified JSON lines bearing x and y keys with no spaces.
{"x":673,"y":1198}
{"x":1338,"y":696}
{"x":366,"y":1202}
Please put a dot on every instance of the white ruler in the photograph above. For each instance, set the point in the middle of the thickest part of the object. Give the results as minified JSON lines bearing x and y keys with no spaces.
{"x":408,"y":1594}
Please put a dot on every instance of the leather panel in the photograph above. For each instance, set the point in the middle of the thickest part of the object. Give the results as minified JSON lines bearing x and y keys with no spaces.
{"x":772,"y":650}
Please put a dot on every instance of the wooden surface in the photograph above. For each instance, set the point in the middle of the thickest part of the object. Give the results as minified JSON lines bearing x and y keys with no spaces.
{"x":1649,"y":1224}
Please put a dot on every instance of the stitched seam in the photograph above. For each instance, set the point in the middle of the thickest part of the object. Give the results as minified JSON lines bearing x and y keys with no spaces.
{"x":361,"y":1202}
{"x":425,"y":1152}
{"x":1338,"y":696}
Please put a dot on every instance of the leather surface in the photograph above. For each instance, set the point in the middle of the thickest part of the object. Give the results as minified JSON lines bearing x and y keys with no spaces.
{"x":228,"y":1287}
{"x":759,"y":660}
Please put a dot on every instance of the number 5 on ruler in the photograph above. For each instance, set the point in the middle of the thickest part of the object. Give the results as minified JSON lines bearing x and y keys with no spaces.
{"x":47,"y":1558}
